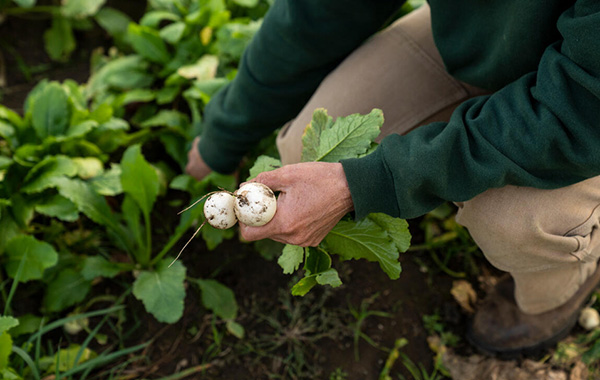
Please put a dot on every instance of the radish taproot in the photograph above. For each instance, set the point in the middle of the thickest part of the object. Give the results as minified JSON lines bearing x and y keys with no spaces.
{"x":218,"y":210}
{"x":255,"y":204}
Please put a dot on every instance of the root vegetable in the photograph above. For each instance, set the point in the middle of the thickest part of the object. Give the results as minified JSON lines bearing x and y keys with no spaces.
{"x":218,"y":210}
{"x":589,"y":318}
{"x":255,"y":204}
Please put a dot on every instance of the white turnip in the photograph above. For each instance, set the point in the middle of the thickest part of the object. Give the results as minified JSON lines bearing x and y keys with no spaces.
{"x":218,"y":210}
{"x":255,"y":204}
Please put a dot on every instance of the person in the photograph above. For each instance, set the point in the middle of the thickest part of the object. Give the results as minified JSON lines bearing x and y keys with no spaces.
{"x":493,"y":105}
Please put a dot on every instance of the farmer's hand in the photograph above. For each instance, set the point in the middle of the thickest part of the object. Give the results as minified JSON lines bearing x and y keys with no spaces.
{"x":196,"y":167}
{"x":313,"y":197}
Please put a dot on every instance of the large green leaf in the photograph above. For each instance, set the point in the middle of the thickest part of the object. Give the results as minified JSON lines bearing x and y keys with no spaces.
{"x":162,"y":291}
{"x":347,"y":137}
{"x":51,"y":112}
{"x":5,"y":350}
{"x":38,"y":257}
{"x":291,"y":258}
{"x":218,"y":298}
{"x":311,"y":137}
{"x":233,"y":37}
{"x":113,"y":21}
{"x":25,"y":3}
{"x":364,"y":240}
{"x":147,"y":43}
{"x":317,"y":261}
{"x":67,"y":289}
{"x":7,"y":323}
{"x":48,"y":173}
{"x":139,"y":179}
{"x":92,"y":204}
{"x":59,"y":207}
{"x":153,"y":19}
{"x":81,"y":8}
{"x":109,"y":182}
{"x":122,"y":73}
{"x":263,"y":164}
{"x":9,"y":229}
{"x":59,"y":40}
{"x":98,"y":266}
{"x":396,"y":228}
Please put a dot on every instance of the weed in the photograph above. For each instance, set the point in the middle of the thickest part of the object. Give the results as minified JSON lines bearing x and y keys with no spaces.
{"x":360,"y":315}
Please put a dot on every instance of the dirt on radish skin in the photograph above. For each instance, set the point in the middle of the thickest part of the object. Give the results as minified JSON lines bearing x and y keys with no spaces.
{"x":218,"y":210}
{"x":255,"y":204}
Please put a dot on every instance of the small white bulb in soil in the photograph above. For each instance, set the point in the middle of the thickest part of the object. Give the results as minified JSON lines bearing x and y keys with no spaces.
{"x":589,"y":318}
{"x":218,"y":210}
{"x":255,"y":204}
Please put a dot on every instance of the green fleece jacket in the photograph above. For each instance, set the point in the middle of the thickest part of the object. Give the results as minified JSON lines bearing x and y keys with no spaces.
{"x":539,"y":128}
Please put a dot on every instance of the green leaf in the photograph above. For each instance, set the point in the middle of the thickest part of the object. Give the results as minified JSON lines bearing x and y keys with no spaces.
{"x":81,"y":129}
{"x":132,"y":216}
{"x":162,"y":291}
{"x":124,"y":73}
{"x":218,"y":298}
{"x":317,"y":261}
{"x":59,"y":39}
{"x":235,"y":329}
{"x":139,"y":179}
{"x":25,"y":3}
{"x":98,"y":266}
{"x":88,"y":167}
{"x":138,"y":95}
{"x":269,"y":249}
{"x":347,"y":137}
{"x":59,"y":207}
{"x":232,"y":38}
{"x":396,"y":228}
{"x":48,"y":173}
{"x":88,"y":202}
{"x":38,"y":257}
{"x":364,"y":240}
{"x":7,"y":323}
{"x":173,"y":33}
{"x":8,"y":229}
{"x":263,"y":164}
{"x":51,"y":112}
{"x":153,"y":19}
{"x":329,"y":277}
{"x":247,"y":3}
{"x":81,"y":8}
{"x":291,"y":258}
{"x":204,"y":69}
{"x":167,"y":118}
{"x":213,"y":237}
{"x":304,"y":286}
{"x":67,"y":289}
{"x":66,"y":358}
{"x":5,"y":350}
{"x":28,"y":324}
{"x":8,"y":133}
{"x":113,"y":21}
{"x":109,"y":182}
{"x":147,"y":43}
{"x":311,"y":137}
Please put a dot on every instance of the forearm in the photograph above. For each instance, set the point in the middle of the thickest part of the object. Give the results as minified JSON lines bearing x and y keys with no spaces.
{"x":299,"y":43}
{"x":539,"y":131}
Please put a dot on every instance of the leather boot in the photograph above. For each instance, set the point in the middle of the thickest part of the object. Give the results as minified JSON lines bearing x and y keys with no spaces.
{"x":500,"y":327}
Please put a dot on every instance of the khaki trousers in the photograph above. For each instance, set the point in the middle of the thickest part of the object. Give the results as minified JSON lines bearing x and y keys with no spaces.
{"x":548,"y":240}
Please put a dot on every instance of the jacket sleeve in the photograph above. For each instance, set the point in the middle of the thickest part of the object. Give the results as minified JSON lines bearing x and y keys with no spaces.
{"x":299,"y":43}
{"x":543,"y":131}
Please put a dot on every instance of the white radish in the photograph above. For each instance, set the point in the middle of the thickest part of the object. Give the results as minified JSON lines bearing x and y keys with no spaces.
{"x":218,"y":210}
{"x":589,"y":318}
{"x":255,"y":204}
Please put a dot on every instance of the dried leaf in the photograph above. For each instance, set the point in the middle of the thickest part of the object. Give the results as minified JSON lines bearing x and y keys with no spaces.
{"x":463,"y":293}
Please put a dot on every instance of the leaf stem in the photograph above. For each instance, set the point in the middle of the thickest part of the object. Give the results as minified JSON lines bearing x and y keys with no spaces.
{"x":146,"y":258}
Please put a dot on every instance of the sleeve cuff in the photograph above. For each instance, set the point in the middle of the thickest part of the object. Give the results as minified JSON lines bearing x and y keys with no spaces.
{"x":371,"y":185}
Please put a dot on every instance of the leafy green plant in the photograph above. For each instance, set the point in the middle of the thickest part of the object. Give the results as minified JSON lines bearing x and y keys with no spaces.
{"x":378,"y":237}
